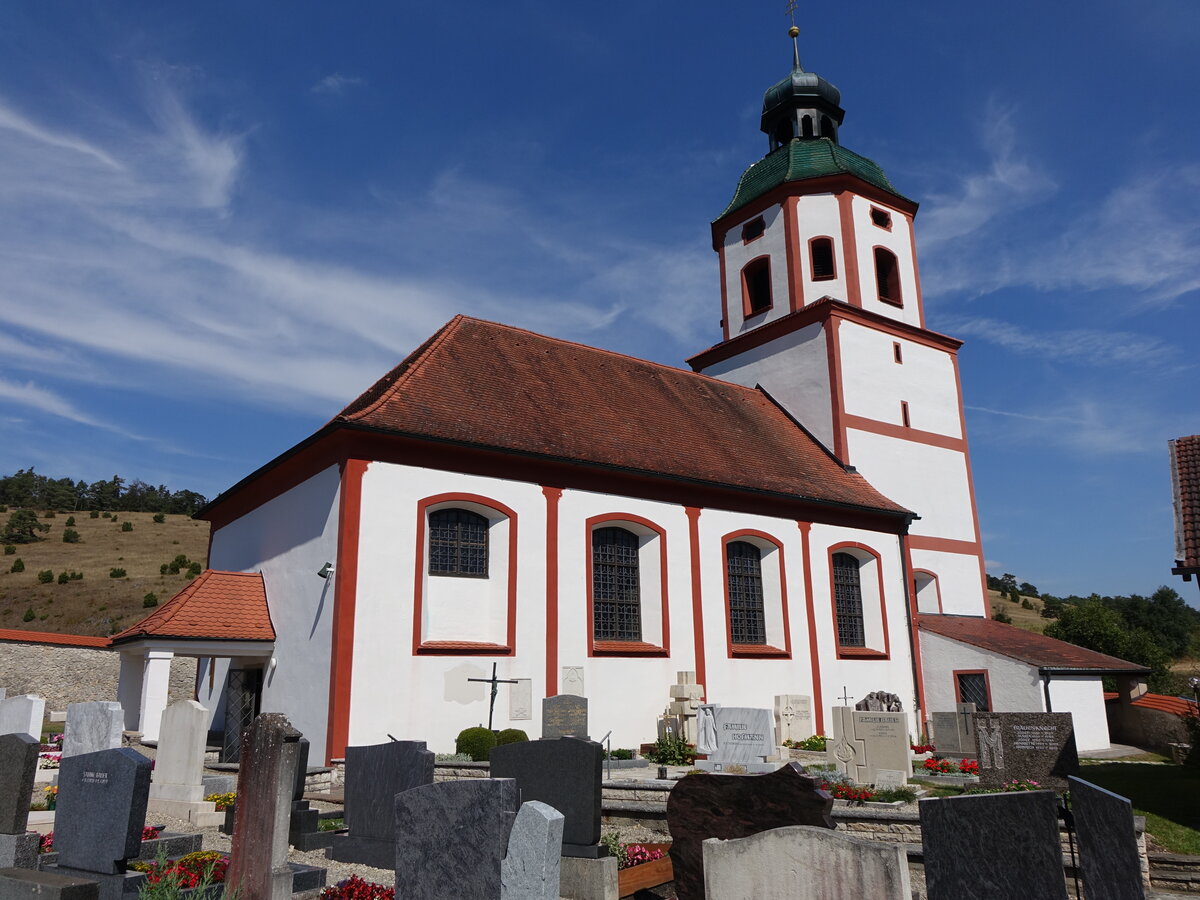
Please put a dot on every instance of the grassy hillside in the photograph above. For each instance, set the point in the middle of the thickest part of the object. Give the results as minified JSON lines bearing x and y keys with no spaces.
{"x":1029,"y":619}
{"x":97,"y":604}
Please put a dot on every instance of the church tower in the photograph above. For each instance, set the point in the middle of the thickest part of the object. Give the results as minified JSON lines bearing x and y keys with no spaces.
{"x":821,"y":309}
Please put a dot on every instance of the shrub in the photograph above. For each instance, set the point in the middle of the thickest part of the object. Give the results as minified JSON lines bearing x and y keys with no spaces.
{"x":1026,"y":603}
{"x":94,"y":514}
{"x":48,"y":514}
{"x":116,"y":573}
{"x":195,"y":568}
{"x":9,"y":549}
{"x":620,"y":754}
{"x":18,"y":565}
{"x":29,"y":616}
{"x":181,"y":560}
{"x":127,"y":526}
{"x":816,"y":742}
{"x":452,"y":757}
{"x":150,"y":600}
{"x":511,"y":736}
{"x":63,"y":577}
{"x":77,"y":576}
{"x":672,"y":751}
{"x":23,"y":527}
{"x":173,"y":568}
{"x":162,"y":570}
{"x":891,"y":795}
{"x":159,"y":518}
{"x":1002,"y":616}
{"x":478,"y":742}
{"x":70,"y":536}
{"x":70,"y":521}
{"x":45,"y":576}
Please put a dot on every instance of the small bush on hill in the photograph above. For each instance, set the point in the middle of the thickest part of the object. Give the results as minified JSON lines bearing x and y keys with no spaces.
{"x":1026,"y":604}
{"x":194,"y":569}
{"x":18,"y":565}
{"x":70,"y":536}
{"x":77,"y":576}
{"x":477,"y":742}
{"x":159,"y":518}
{"x":173,"y":568}
{"x":164,"y":568}
{"x":511,"y":736}
{"x":29,"y":616}
{"x":49,"y":514}
{"x":181,"y":560}
{"x":9,"y":549}
{"x":45,"y":576}
{"x":63,"y":577}
{"x":127,"y":526}
{"x":1002,"y":616}
{"x":116,"y":573}
{"x":70,"y":521}
{"x":150,"y":600}
{"x":94,"y":514}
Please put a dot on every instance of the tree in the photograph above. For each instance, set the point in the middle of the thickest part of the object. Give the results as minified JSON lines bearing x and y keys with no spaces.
{"x":1103,"y":629}
{"x":1029,"y":590}
{"x":23,"y":527}
{"x":70,"y":536}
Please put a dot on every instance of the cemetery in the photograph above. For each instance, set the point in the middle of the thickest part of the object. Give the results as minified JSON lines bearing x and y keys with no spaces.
{"x":544,"y":817}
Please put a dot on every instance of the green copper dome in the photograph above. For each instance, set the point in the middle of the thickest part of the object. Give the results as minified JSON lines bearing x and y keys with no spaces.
{"x":800,"y":159}
{"x":798,"y":86}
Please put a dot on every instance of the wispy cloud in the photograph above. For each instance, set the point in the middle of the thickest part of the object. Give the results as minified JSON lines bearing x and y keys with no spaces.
{"x":1085,"y":427}
{"x":46,"y":401}
{"x":335,"y":83}
{"x":1085,"y":346}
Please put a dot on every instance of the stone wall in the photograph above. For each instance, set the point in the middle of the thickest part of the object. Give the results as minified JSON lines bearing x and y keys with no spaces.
{"x":66,"y":674}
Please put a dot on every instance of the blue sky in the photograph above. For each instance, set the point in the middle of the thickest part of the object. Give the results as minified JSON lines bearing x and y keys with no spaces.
{"x":220,"y":222}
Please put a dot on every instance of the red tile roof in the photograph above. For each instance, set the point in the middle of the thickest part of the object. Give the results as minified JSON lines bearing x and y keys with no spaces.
{"x":221,"y":606}
{"x":49,"y":637}
{"x":1185,"y":480}
{"x":494,"y":386}
{"x":1177,"y":706}
{"x":1026,"y":646}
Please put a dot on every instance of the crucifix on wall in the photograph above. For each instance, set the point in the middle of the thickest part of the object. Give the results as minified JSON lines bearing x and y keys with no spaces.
{"x":495,"y":683}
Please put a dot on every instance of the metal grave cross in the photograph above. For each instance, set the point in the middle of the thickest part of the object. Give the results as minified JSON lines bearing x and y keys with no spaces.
{"x":494,"y":682}
{"x":845,"y":698}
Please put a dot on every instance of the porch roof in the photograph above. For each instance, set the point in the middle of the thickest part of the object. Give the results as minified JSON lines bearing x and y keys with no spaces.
{"x":215,"y":606}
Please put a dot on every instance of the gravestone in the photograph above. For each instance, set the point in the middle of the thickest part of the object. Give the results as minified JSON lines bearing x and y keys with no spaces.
{"x":734,"y":735}
{"x":890,"y":779}
{"x":736,"y":806}
{"x":954,"y":732}
{"x":992,"y":845}
{"x":865,"y":742}
{"x":793,"y":717}
{"x":1108,"y":849}
{"x":258,"y":863}
{"x":531,"y":867}
{"x":834,"y":867}
{"x":679,"y":718}
{"x":375,"y":774}
{"x":1025,"y":746}
{"x":572,"y":681}
{"x":566,"y":774}
{"x":18,"y":765}
{"x":880,"y":701}
{"x":176,"y":788}
{"x":565,"y":715}
{"x":99,"y":818}
{"x":22,"y":714}
{"x":520,"y":700}
{"x":304,"y":823}
{"x":22,"y":884}
{"x":451,"y":838}
{"x":92,"y":726}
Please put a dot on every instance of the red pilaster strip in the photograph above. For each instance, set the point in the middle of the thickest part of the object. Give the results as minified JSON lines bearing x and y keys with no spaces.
{"x":553,"y":495}
{"x":813,"y":655}
{"x":693,"y":515}
{"x":341,"y":657}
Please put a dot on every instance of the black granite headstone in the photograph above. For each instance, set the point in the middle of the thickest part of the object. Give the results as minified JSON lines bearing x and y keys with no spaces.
{"x":565,"y":773}
{"x":101,"y":809}
{"x":1108,"y":851}
{"x":1036,"y":747}
{"x":18,"y":767}
{"x":452,"y":837}
{"x":993,"y":845}
{"x":736,"y":806}
{"x":375,"y":774}
{"x":563,"y":715}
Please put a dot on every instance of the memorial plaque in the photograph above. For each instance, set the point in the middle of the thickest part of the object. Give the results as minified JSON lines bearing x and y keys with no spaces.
{"x":572,"y":680}
{"x":1036,"y":747}
{"x":890,"y":779}
{"x":520,"y":700}
{"x":565,"y":716}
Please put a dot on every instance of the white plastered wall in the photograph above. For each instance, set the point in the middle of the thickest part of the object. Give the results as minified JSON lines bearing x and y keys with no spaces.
{"x":898,"y":240}
{"x":1015,"y":686}
{"x":959,"y":584}
{"x":288,"y":539}
{"x":1083,"y":697}
{"x":817,"y":215}
{"x":736,"y":254}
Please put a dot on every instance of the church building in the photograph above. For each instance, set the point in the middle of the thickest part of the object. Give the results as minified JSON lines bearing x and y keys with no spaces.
{"x":795,"y":515}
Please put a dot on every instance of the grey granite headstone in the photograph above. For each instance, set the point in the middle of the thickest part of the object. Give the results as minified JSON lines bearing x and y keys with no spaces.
{"x":833,"y":865}
{"x":565,"y":773}
{"x":992,"y":845}
{"x":258,"y":864}
{"x":1108,"y":851}
{"x":451,"y":838}
{"x":101,"y":809}
{"x":565,"y":715}
{"x":22,"y":714}
{"x":19,"y":884}
{"x":735,"y":734}
{"x":531,"y":868}
{"x":864,"y":742}
{"x":375,"y":774}
{"x":92,"y":727}
{"x":18,"y":766}
{"x":1025,"y":746}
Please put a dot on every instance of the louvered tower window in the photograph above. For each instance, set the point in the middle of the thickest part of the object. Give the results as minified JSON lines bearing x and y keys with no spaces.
{"x":847,"y":595}
{"x":458,"y":543}
{"x":616,"y":588}
{"x":743,"y":573}
{"x":821,"y":257}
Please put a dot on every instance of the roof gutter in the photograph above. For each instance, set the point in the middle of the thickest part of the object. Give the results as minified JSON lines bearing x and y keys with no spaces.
{"x":1075,"y":670}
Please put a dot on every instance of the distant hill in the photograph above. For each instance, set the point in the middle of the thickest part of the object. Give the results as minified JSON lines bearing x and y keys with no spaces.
{"x":1029,"y":619}
{"x":97,"y":604}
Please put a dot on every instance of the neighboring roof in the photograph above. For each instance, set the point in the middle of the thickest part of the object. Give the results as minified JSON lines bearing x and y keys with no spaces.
{"x":1026,"y":646}
{"x":49,"y":637}
{"x":1177,"y":706}
{"x":220,"y":606}
{"x":1185,"y":481}
{"x":803,"y":158}
{"x":497,"y":387}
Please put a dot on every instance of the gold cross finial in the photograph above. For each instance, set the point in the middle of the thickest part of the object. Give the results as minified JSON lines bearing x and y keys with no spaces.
{"x":793,"y":33}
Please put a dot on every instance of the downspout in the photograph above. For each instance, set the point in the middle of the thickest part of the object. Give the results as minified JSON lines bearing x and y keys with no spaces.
{"x":1046,"y":691}
{"x":913,"y":647}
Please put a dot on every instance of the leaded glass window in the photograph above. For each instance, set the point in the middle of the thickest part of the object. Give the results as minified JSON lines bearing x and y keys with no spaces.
{"x":616,"y":587}
{"x":972,"y":688}
{"x":847,"y":596}
{"x":743,"y":574}
{"x":458,"y":543}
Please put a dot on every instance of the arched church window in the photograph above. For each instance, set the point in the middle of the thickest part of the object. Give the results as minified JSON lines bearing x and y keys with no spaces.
{"x":820,"y":253}
{"x":743,"y":573}
{"x":616,"y":585}
{"x":756,"y":286}
{"x":458,"y":543}
{"x":887,"y":276}
{"x":847,"y":597}
{"x":806,"y":127}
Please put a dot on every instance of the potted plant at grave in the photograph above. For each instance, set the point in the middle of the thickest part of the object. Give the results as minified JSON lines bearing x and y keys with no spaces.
{"x":51,"y":795}
{"x":639,"y":866}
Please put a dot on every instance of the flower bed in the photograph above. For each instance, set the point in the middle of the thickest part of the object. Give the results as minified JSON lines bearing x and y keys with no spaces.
{"x":149,"y":833}
{"x":355,"y":888}
{"x":189,"y":871}
{"x":950,"y":767}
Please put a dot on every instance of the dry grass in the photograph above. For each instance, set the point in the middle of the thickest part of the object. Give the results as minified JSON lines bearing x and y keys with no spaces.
{"x":97,"y":604}
{"x":1029,"y":619}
